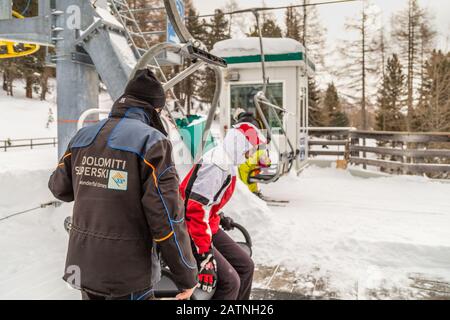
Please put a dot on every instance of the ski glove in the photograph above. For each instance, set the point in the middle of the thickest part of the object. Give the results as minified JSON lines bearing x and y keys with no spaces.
{"x":226,"y":222}
{"x":207,"y":275}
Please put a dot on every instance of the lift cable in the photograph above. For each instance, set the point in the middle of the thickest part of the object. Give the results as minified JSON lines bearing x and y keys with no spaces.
{"x":26,"y":8}
{"x":274,"y":8}
{"x":41,"y":206}
{"x":141,"y":10}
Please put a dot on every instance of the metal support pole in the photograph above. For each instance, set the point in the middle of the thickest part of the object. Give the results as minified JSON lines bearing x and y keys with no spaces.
{"x":78,"y":83}
{"x":44,"y":7}
{"x":102,"y":4}
{"x":5,"y":9}
{"x":177,"y":22}
{"x":212,"y":111}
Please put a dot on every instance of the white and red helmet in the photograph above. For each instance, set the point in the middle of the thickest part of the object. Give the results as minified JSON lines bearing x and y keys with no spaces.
{"x":251,"y":133}
{"x":241,"y":138}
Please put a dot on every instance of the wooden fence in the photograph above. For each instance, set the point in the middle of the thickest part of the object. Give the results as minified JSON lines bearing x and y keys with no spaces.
{"x":328,"y":142}
{"x":402,"y":152}
{"x":27,"y":143}
{"x":391,"y":152}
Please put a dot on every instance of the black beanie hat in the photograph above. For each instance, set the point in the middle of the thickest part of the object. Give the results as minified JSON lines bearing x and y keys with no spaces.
{"x":248,"y":117}
{"x":145,"y":86}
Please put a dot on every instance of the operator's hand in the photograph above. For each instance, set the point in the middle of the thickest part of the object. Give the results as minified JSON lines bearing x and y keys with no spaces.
{"x":186,"y":294}
{"x":226,"y":222}
{"x":207,"y":275}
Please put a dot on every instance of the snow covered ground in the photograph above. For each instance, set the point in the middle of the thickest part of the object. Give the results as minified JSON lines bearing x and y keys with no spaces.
{"x":359,"y":234}
{"x":23,"y":119}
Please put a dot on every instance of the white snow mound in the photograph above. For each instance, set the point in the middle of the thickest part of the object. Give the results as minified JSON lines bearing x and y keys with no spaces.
{"x":250,"y":47}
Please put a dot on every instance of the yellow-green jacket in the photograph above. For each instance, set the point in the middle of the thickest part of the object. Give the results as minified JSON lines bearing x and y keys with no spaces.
{"x":259,"y":159}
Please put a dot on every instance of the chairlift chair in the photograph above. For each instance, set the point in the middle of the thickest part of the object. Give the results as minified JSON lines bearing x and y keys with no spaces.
{"x":200,"y":58}
{"x":10,"y":49}
{"x":285,"y":159}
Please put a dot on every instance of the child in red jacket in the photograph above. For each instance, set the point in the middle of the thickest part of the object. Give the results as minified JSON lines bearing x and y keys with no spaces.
{"x":206,"y":189}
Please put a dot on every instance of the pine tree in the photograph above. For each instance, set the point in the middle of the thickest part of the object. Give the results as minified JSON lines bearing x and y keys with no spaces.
{"x":149,"y":21}
{"x":237,"y":22}
{"x":332,"y":108}
{"x":380,"y":48}
{"x":269,"y":28}
{"x":304,"y":26}
{"x":217,"y":30}
{"x":434,"y":111}
{"x":330,"y":103}
{"x":315,"y":112}
{"x":391,"y":97}
{"x":190,"y":86}
{"x":11,"y":72}
{"x":292,"y":22}
{"x":426,"y":39}
{"x":47,"y":72}
{"x":359,"y":62}
{"x":30,"y":68}
{"x":413,"y":34}
{"x":298,"y":25}
{"x":312,"y":33}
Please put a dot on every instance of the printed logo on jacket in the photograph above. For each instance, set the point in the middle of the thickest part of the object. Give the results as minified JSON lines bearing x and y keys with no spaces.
{"x":106,"y":173}
{"x":118,"y":180}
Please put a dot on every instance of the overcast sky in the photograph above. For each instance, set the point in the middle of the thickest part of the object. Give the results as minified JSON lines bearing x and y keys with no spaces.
{"x":333,"y":15}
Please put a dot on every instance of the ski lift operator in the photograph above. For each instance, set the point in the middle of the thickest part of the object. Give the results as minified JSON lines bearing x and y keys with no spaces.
{"x":222,"y":263}
{"x":121,"y":177}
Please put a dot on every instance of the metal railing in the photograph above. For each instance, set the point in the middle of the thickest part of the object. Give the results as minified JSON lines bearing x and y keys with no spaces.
{"x":27,"y":143}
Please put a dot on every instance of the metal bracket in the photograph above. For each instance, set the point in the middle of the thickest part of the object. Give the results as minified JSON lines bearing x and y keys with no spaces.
{"x":34,"y":30}
{"x":81,"y":57}
{"x":85,"y":34}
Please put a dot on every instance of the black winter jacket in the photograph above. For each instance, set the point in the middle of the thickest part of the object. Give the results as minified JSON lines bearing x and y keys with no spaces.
{"x":122,"y":178}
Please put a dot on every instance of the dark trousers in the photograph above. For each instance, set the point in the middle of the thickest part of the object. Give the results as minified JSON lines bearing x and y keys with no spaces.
{"x":234,"y":269}
{"x":144,"y":295}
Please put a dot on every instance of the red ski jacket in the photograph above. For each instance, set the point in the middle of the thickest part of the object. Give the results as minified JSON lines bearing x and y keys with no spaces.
{"x":210,"y":184}
{"x":205,"y":190}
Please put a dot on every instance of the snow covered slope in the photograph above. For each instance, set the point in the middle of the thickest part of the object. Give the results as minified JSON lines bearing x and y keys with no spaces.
{"x":25,"y":118}
{"x":33,"y":245}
